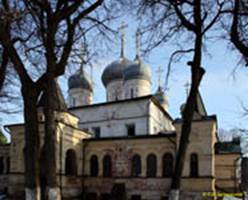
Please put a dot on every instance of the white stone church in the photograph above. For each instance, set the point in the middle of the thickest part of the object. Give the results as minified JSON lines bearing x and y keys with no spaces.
{"x":126,"y":145}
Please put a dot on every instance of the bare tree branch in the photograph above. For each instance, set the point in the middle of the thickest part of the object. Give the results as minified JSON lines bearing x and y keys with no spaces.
{"x":234,"y":33}
{"x":171,"y":60}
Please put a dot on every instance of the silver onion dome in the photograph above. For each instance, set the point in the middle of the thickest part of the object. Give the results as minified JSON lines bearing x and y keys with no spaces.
{"x":114,"y":70}
{"x":137,"y":70}
{"x":80,"y":80}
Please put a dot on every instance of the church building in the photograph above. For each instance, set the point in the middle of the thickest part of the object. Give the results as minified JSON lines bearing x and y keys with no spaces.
{"x":126,"y":145}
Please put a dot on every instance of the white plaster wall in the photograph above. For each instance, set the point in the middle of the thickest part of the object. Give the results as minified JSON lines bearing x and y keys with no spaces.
{"x":112,"y":118}
{"x":115,"y":128}
{"x":114,"y":90}
{"x":158,"y":121}
{"x":80,"y":96}
{"x":140,"y":88}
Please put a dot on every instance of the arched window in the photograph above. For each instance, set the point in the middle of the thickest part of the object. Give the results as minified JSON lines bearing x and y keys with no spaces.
{"x":1,"y":165}
{"x":94,"y":166}
{"x":194,"y":165}
{"x":8,"y":165}
{"x":107,"y":166}
{"x":151,"y":164}
{"x":136,"y":165}
{"x":71,"y":163}
{"x":167,"y":165}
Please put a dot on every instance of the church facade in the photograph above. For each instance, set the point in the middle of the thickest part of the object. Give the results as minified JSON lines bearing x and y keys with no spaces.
{"x":126,"y":145}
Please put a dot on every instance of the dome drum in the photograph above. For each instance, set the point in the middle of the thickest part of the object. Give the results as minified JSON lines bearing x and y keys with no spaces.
{"x":162,"y":98}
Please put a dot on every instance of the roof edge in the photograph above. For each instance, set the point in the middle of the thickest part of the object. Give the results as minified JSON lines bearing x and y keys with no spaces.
{"x":169,"y":134}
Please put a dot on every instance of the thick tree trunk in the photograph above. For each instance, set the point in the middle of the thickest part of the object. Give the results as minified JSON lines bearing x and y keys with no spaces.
{"x":52,"y":190}
{"x":244,"y":177}
{"x":197,"y":73}
{"x":32,"y":144}
{"x":188,"y":114}
{"x":184,"y":140}
{"x":234,"y":32}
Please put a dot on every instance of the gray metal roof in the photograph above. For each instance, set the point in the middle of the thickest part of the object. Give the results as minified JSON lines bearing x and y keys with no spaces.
{"x":228,"y":147}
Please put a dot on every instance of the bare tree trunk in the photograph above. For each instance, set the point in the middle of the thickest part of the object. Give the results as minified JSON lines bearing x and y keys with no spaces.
{"x":240,"y":42}
{"x":244,"y":177}
{"x":52,"y":190}
{"x":235,"y":37}
{"x":32,"y":144}
{"x":184,"y":140}
{"x":197,"y":73}
{"x":3,"y":66}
